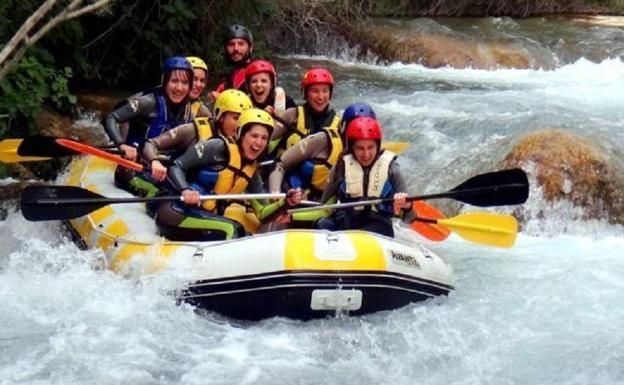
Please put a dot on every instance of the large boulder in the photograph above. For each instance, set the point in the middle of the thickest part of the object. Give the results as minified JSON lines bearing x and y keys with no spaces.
{"x":433,"y":50}
{"x":51,"y":123}
{"x":441,"y":51}
{"x":102,"y":101}
{"x":575,"y":169}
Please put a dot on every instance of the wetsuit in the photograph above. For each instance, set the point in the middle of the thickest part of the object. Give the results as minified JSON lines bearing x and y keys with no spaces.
{"x":381,"y":180}
{"x":308,"y":122}
{"x":309,"y":162}
{"x":281,"y":103}
{"x":215,"y":166}
{"x":147,"y":116}
{"x":179,"y":138}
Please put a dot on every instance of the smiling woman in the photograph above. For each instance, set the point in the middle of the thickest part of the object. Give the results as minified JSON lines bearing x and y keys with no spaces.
{"x":220,"y":165}
{"x":147,"y":115}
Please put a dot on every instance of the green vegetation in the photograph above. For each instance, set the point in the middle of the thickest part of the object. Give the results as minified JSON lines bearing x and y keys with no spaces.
{"x":34,"y":82}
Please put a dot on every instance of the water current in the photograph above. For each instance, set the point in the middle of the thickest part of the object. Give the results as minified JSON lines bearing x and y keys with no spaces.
{"x":547,"y":311}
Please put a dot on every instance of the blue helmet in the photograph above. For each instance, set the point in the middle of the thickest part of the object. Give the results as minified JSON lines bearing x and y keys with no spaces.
{"x":356,"y":110}
{"x":176,"y":63}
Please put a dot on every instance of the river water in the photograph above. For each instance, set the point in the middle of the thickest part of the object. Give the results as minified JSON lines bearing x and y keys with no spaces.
{"x":548,"y":311}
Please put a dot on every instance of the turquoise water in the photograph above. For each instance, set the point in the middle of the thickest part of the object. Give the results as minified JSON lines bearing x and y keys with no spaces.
{"x":548,"y":311}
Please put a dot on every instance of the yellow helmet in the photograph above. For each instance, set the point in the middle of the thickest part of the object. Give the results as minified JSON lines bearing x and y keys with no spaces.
{"x":251,"y":116}
{"x":231,"y":100}
{"x":197,"y":62}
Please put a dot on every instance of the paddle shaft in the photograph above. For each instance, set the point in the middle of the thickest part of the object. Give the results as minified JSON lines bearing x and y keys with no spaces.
{"x":449,"y":194}
{"x":104,"y":200}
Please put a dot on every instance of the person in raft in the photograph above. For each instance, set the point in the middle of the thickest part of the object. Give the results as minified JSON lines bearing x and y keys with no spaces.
{"x":227,"y":108}
{"x":237,"y":47}
{"x":317,"y":87}
{"x":149,"y":114}
{"x":366,"y":172}
{"x":261,"y":80}
{"x":307,"y":164}
{"x":220,"y":165}
{"x":200,"y":77}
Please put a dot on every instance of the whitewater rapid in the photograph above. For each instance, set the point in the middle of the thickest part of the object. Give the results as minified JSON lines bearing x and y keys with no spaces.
{"x":547,"y":311}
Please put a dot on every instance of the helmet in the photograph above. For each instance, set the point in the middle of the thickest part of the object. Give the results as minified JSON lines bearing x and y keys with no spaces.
{"x":231,"y":100}
{"x":197,"y":62}
{"x":356,"y":110}
{"x":254,"y":115}
{"x":317,"y":76}
{"x":364,"y":128}
{"x":259,"y":66}
{"x":237,"y":31}
{"x":176,"y":63}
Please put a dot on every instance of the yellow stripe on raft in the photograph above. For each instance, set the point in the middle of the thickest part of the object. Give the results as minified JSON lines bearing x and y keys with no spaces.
{"x":153,"y":257}
{"x":98,"y":216}
{"x":299,"y":254}
{"x":76,"y":172}
{"x":99,"y":164}
{"x":117,"y":229}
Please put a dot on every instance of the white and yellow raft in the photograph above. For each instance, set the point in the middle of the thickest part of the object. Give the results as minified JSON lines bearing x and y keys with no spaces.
{"x":295,"y":273}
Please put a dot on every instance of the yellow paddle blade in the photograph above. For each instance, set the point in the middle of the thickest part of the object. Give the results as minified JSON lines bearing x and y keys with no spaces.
{"x":498,"y":230}
{"x":8,"y":152}
{"x":396,"y":147}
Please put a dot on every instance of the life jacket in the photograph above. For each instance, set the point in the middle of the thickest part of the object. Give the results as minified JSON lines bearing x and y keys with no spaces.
{"x":233,"y":179}
{"x":163,"y":121}
{"x":196,"y":106}
{"x":235,"y":80}
{"x":204,"y":128}
{"x":352,"y":188}
{"x":305,"y":126}
{"x":314,"y":173}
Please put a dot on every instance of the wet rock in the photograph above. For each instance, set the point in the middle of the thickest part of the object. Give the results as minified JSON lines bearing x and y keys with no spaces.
{"x":51,"y":123}
{"x":102,"y":101}
{"x":575,"y":169}
{"x":439,"y":50}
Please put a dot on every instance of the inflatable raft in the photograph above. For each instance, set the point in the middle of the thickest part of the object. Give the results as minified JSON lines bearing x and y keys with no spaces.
{"x":299,"y":274}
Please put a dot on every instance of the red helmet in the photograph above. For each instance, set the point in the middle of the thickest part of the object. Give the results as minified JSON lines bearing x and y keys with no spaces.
{"x":364,"y":128}
{"x":259,"y":66}
{"x":317,"y":76}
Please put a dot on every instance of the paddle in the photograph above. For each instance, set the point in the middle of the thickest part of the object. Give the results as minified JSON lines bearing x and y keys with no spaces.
{"x":396,"y":147}
{"x":429,"y":230}
{"x":499,"y":230}
{"x":8,"y":152}
{"x":81,"y":148}
{"x":499,"y":188}
{"x":47,"y":146}
{"x":47,"y":203}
